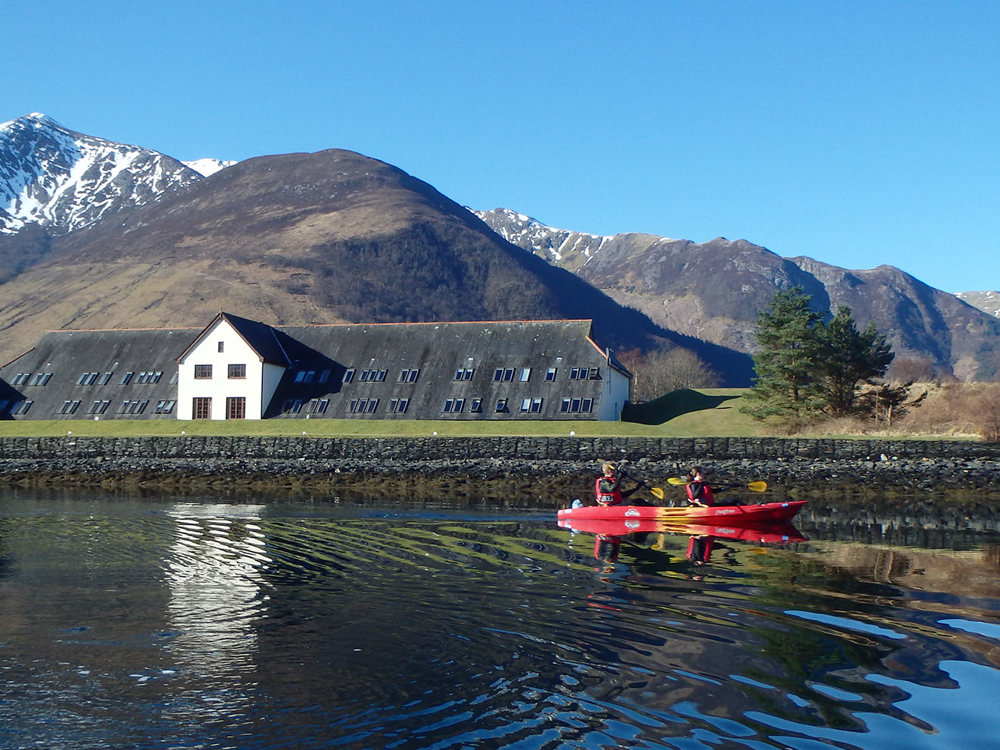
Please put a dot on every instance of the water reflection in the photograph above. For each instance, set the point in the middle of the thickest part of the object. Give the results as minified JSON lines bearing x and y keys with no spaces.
{"x":184,"y":624}
{"x":217,"y":588}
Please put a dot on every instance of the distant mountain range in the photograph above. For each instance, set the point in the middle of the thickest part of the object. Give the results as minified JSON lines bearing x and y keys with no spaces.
{"x":714,"y":291}
{"x":100,"y":234}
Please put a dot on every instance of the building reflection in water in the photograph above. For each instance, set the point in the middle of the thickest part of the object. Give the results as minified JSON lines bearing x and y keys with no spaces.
{"x":217,"y":588}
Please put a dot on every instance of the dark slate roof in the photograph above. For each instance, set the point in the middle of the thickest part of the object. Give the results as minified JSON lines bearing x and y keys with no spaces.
{"x":262,"y":338}
{"x":79,"y":374}
{"x":62,"y":358}
{"x":393,"y":351}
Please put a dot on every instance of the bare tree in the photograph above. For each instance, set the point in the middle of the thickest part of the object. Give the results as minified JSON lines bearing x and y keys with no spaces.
{"x":659,"y":372}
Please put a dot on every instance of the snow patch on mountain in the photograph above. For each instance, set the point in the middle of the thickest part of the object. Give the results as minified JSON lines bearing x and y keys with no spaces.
{"x":557,"y":245}
{"x":986,"y":301}
{"x":208,"y":167}
{"x":64,"y":180}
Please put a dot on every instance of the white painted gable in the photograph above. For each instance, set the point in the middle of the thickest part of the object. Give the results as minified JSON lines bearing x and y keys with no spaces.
{"x":221,"y":366}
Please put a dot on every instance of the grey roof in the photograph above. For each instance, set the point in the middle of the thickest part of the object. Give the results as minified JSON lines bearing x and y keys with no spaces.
{"x":367,"y":371}
{"x":262,"y":338}
{"x":439,"y":352}
{"x":91,"y":370}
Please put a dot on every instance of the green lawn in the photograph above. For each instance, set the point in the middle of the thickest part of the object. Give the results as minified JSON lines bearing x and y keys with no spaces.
{"x":688,"y":413}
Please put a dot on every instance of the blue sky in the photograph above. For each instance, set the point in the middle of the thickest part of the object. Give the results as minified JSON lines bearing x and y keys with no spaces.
{"x":856,"y":133}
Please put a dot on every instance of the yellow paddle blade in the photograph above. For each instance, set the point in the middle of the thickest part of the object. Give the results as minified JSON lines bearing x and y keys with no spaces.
{"x":757,"y":486}
{"x":677,"y":481}
{"x":656,"y":492}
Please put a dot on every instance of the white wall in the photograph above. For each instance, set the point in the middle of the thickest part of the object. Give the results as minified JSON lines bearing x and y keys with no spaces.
{"x":220,"y":386}
{"x":614,"y":394}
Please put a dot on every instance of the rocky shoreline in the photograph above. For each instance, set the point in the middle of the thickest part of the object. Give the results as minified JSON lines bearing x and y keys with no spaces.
{"x":515,"y":470}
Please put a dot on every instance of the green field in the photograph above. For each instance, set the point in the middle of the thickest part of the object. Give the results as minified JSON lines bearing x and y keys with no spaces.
{"x":704,"y":413}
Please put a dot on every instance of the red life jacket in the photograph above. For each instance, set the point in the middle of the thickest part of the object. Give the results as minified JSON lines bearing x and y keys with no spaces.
{"x":701,"y":492}
{"x":700,"y":548}
{"x":604,"y":497}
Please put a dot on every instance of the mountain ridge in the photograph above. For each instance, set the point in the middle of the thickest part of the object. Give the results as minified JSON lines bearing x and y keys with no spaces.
{"x":328,"y":237}
{"x":678,"y":281}
{"x":337,"y":236}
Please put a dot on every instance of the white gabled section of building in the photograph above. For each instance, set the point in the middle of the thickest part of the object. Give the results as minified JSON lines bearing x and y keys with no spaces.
{"x":223,"y":375}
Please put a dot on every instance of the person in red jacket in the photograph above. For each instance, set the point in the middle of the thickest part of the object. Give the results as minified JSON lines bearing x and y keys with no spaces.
{"x":699,"y":491}
{"x":608,"y":489}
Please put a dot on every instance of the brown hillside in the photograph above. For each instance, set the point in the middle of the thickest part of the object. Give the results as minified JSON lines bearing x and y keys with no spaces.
{"x":301,"y":238}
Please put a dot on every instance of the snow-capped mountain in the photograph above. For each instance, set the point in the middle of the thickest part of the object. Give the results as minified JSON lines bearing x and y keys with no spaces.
{"x":63,"y":180}
{"x":208,"y":167}
{"x":988,"y":301}
{"x":562,"y":247}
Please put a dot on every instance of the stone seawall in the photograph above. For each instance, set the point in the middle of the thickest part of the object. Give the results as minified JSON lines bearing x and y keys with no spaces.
{"x":516,"y":466}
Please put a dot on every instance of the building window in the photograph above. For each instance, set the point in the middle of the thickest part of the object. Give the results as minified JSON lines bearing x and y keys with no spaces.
{"x":99,"y":407}
{"x":476,"y":406}
{"x":41,"y":378}
{"x":21,"y":378}
{"x":577,"y":405}
{"x":126,"y":378}
{"x":163,"y":407}
{"x":203,"y":372}
{"x":348,"y":376}
{"x":317,"y":405}
{"x":88,"y":378}
{"x":398,"y":405}
{"x":69,"y":407}
{"x":525,"y":375}
{"x":105,"y":378}
{"x":236,"y":407}
{"x":362,"y":405}
{"x":201,"y":407}
{"x":302,"y":376}
{"x":533,"y":405}
{"x":324,"y":376}
{"x":135,"y":407}
{"x":585,"y":373}
{"x":222,"y":347}
{"x":503,"y":374}
{"x":372,"y":376}
{"x":550,"y":374}
{"x":454,"y":405}
{"x":292,"y":406}
{"x":464,"y":373}
{"x":408,"y":376}
{"x":502,"y":405}
{"x":21,"y":407}
{"x":237,"y":372}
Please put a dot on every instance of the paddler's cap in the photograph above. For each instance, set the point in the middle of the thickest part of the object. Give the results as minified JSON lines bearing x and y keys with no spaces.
{"x":608,"y":467}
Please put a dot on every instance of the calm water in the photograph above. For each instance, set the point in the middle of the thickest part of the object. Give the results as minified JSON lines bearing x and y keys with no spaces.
{"x":138,"y":623}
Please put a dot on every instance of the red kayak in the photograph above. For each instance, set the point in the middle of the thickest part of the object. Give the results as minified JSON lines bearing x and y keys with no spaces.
{"x":735,"y":515}
{"x":771,"y":533}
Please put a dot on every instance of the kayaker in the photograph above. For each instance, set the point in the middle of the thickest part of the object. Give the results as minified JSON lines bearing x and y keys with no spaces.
{"x":700,"y":548}
{"x":608,"y":489}
{"x":699,"y":491}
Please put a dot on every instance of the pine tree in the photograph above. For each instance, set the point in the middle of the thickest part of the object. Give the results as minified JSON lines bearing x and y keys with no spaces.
{"x":805,"y":367}
{"x":847,"y":359}
{"x":785,"y":365}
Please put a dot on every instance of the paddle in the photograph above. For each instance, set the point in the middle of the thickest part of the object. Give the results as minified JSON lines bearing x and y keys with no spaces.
{"x":759,"y":486}
{"x":654,"y":491}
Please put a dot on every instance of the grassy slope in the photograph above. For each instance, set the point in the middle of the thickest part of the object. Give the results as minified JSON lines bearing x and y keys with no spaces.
{"x":703,"y":413}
